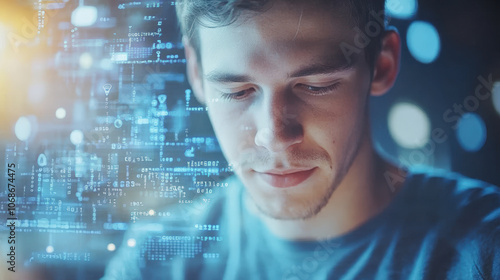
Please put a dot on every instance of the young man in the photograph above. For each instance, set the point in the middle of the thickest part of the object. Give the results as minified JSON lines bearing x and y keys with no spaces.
{"x":287,"y":85}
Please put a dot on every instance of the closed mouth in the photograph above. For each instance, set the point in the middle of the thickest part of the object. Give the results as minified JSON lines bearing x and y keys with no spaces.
{"x":284,"y":178}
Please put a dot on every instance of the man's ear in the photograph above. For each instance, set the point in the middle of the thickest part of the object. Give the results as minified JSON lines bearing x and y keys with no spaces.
{"x":193,"y":71}
{"x":386,"y":66}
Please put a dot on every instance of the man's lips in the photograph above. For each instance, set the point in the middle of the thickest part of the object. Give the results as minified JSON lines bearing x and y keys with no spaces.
{"x":284,"y":178}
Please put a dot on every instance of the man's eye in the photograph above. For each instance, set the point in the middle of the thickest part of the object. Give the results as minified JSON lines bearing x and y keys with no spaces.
{"x":318,"y":90}
{"x":237,"y":95}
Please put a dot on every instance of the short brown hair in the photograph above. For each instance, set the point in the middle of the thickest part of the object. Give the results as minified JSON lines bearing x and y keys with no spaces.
{"x":225,"y":12}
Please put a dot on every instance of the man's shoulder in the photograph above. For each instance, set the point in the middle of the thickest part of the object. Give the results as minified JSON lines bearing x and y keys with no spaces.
{"x":180,"y":236}
{"x":455,"y":219}
{"x":439,"y":177}
{"x":449,"y":189}
{"x":452,"y":200}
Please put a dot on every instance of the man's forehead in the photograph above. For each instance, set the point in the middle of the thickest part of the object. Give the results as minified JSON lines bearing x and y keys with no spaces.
{"x":300,"y":57}
{"x":285,"y":22}
{"x":299,"y":32}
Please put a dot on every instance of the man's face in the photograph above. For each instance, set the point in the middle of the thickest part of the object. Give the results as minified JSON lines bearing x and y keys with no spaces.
{"x":288,"y":109}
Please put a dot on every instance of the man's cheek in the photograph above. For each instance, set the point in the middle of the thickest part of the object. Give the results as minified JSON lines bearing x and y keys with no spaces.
{"x":240,"y":151}
{"x":228,"y":138}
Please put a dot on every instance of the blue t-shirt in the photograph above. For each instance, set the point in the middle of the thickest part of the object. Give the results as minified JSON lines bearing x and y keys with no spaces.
{"x":439,"y":226}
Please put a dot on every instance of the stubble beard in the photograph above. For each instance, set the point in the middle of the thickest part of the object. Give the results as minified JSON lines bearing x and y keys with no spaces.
{"x":309,"y":209}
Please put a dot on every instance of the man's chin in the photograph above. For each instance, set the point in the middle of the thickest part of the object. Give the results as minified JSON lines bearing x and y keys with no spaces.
{"x":286,"y":208}
{"x":300,"y":202}
{"x":287,"y":216}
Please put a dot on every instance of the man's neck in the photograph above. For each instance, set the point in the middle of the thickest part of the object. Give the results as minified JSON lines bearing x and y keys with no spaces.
{"x":362,"y":194}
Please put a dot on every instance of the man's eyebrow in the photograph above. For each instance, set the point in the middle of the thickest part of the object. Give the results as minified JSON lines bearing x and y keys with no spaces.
{"x":319,"y":69}
{"x":222,"y":77}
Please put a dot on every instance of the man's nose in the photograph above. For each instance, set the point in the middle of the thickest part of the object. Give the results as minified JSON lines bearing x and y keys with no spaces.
{"x":278,"y":123}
